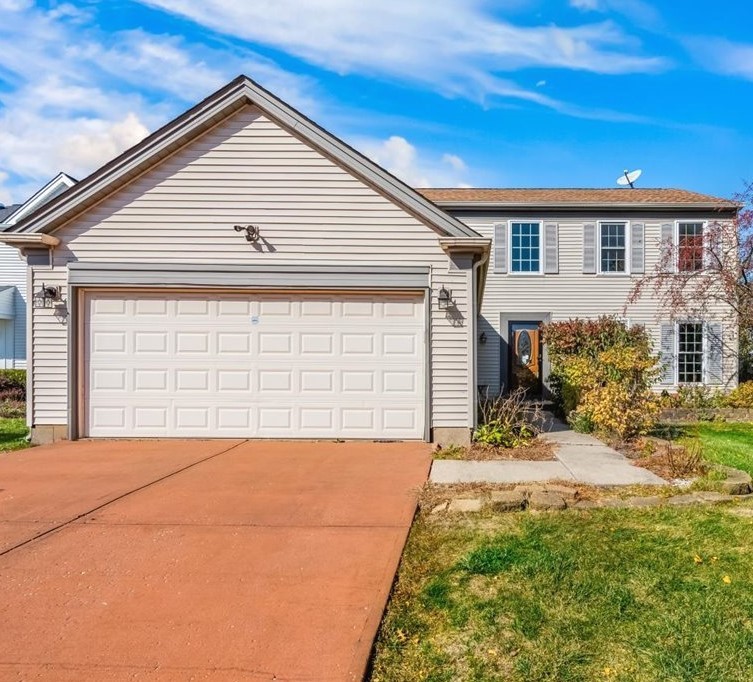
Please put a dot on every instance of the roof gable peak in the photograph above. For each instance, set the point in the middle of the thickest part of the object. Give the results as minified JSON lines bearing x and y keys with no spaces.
{"x":177,"y":133}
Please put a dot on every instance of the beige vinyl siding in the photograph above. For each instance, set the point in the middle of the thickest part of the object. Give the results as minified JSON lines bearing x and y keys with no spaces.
{"x":13,"y":273}
{"x":450,"y":348}
{"x":49,"y":351}
{"x":570,"y":293}
{"x":249,"y":170}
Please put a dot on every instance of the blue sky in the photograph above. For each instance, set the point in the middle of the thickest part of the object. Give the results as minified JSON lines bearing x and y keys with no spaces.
{"x":441,"y":92}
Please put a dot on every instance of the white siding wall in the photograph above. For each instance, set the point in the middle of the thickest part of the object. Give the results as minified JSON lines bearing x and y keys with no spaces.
{"x":13,"y":273}
{"x":570,"y":293}
{"x":249,"y":170}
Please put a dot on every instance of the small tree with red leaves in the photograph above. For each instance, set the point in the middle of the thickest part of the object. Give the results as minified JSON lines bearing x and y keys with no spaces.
{"x":709,"y":276}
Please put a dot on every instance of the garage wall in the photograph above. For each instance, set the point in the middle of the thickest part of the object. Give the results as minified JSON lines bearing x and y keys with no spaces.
{"x":248,"y":169}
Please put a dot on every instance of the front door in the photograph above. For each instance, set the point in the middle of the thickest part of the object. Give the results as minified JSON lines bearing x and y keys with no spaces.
{"x":525,"y":356}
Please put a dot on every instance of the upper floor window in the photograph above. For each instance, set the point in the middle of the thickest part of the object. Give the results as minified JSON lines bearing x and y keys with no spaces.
{"x":689,"y":246}
{"x":525,"y":243}
{"x":613,"y":247}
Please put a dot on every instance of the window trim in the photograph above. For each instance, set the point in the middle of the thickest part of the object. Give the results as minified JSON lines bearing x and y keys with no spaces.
{"x":704,"y":335}
{"x":676,"y":259}
{"x":530,"y":273}
{"x":628,"y":248}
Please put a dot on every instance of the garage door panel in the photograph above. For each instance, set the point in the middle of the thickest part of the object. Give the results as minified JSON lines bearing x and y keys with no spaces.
{"x":267,"y":365}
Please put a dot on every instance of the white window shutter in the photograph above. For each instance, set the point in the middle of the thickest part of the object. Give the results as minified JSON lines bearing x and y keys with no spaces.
{"x":637,"y":249}
{"x":551,"y":249}
{"x":500,"y":247}
{"x":668,"y":247}
{"x":589,"y":249}
{"x":714,"y":354}
{"x":667,"y":355}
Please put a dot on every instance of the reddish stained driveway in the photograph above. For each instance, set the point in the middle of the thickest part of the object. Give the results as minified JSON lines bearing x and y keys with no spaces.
{"x":200,"y":560}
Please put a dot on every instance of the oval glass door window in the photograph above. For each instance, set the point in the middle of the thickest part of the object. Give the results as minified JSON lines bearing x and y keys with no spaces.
{"x":524,"y":348}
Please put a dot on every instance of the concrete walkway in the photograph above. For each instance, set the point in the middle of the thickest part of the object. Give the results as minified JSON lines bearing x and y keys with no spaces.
{"x":580,"y":458}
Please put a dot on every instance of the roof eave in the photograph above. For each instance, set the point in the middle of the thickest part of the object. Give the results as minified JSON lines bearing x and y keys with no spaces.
{"x":577,"y":206}
{"x":21,"y":240}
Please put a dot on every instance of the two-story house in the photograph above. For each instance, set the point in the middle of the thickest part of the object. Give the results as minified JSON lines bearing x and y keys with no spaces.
{"x":564,"y":253}
{"x":244,"y":273}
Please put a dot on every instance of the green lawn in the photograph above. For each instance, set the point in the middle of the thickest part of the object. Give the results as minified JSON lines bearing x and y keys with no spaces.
{"x":726,"y":443}
{"x":622,"y":595}
{"x":13,"y":434}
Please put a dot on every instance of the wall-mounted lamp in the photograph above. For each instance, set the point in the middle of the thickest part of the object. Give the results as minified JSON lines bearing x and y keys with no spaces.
{"x":482,"y":338}
{"x":444,"y":298}
{"x":47,"y":296}
{"x":252,"y":232}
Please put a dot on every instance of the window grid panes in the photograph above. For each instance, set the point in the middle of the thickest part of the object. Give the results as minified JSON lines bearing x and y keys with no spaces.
{"x":690,"y":247}
{"x":526,"y":248}
{"x":690,"y":353}
{"x":613,"y":247}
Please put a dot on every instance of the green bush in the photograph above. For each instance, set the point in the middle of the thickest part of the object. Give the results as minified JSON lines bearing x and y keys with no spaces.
{"x":742,"y":396}
{"x":601,"y":376}
{"x":13,"y":385}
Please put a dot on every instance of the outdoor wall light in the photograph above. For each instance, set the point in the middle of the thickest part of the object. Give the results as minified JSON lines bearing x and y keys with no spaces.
{"x":252,"y":232}
{"x":482,"y":338}
{"x":444,"y":298}
{"x":46,"y":296}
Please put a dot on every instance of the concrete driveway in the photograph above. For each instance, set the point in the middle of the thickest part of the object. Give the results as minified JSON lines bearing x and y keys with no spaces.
{"x":200,"y":560}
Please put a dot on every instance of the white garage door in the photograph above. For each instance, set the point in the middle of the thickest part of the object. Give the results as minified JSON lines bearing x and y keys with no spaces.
{"x":254,"y":365}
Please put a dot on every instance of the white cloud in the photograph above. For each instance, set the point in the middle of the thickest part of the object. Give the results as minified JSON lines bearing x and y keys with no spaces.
{"x":78,"y":97}
{"x":403,"y":159}
{"x":640,"y":12}
{"x":719,"y":55}
{"x":540,"y":84}
{"x":457,"y":46}
{"x":586,"y":5}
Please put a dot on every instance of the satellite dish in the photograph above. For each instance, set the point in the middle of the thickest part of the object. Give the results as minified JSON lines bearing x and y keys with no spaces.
{"x":627,"y":179}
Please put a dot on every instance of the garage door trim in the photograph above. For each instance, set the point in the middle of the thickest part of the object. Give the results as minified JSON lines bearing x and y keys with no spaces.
{"x":76,"y":345}
{"x":257,"y":276}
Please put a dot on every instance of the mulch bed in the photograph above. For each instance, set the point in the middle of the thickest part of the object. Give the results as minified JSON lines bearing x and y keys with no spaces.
{"x":659,"y":462}
{"x":538,"y":450}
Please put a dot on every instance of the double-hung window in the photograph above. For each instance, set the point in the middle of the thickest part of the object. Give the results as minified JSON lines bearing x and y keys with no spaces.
{"x":689,"y":246}
{"x":525,"y":243}
{"x":613,"y":247}
{"x":690,"y":353}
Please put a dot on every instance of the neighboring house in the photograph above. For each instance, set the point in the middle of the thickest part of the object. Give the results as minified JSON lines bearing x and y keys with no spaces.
{"x":564,"y":253}
{"x":13,"y":298}
{"x":167,"y":314}
{"x":243,"y":273}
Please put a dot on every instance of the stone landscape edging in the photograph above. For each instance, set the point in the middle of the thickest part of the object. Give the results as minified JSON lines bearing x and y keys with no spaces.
{"x":689,"y":415}
{"x":556,"y":497}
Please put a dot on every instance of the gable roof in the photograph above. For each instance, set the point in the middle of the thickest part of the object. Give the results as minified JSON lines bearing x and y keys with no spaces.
{"x":59,"y":184}
{"x":228,"y":99}
{"x":574,"y":198}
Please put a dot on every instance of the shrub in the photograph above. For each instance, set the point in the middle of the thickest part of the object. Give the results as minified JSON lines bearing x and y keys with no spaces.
{"x":693,"y":397}
{"x":12,"y":409}
{"x":508,"y":421}
{"x":13,"y":385}
{"x":601,"y":376}
{"x":742,"y":396}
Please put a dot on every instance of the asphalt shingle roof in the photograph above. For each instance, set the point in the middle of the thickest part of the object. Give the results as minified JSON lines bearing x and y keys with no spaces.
{"x":7,"y":211}
{"x":573,"y":196}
